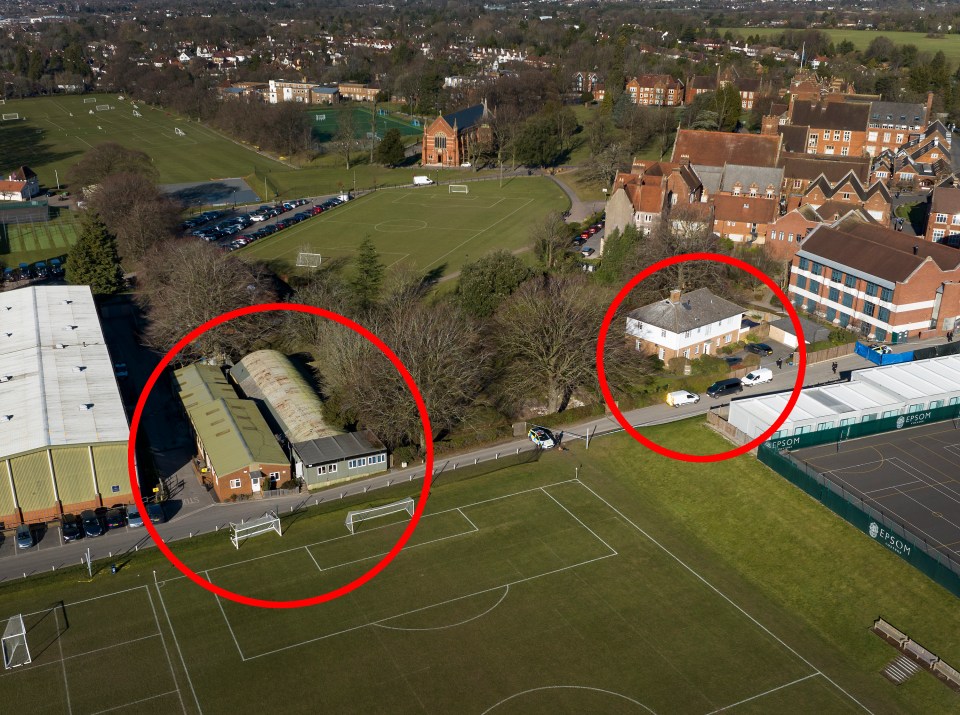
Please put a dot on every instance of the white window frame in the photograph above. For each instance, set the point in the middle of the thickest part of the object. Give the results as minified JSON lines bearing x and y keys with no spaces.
{"x":236,"y":483}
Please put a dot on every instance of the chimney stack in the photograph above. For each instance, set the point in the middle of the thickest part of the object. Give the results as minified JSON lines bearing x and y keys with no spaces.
{"x":675,"y":295}
{"x":916,"y":249}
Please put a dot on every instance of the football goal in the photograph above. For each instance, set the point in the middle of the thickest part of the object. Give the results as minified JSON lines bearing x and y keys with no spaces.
{"x":103,"y":107}
{"x":305,"y":259}
{"x":9,"y":117}
{"x":16,"y":651}
{"x":459,"y":189}
{"x":136,"y":113}
{"x":261,"y":525}
{"x":320,"y":117}
{"x":89,"y":100}
{"x":179,"y":132}
{"x":357,"y":515}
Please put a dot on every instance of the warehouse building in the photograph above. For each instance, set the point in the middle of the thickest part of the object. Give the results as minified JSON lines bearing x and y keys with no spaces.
{"x":234,"y":442}
{"x":63,"y":429}
{"x":911,"y":388}
{"x":321,"y":455}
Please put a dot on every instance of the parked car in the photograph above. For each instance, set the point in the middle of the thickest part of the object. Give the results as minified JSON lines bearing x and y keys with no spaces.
{"x":24,"y":537}
{"x":682,"y":397}
{"x":542,"y":437}
{"x":733,"y":361}
{"x":586,"y":252}
{"x":92,"y":523}
{"x":115,"y":518}
{"x":134,"y":520}
{"x":757,"y":377}
{"x":10,"y":275}
{"x":155,"y":513}
{"x":759,"y":349}
{"x":56,"y":267}
{"x":40,"y":269}
{"x":722,"y":388}
{"x":70,"y":527}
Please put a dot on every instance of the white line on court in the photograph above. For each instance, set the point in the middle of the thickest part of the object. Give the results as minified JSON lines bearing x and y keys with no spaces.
{"x":176,"y":642}
{"x":63,"y":663}
{"x":166,"y":651}
{"x":765,"y":692}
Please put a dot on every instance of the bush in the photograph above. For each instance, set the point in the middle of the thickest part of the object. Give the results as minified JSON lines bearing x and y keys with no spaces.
{"x":709,"y":365}
{"x":290,"y":484}
{"x":407,"y":453}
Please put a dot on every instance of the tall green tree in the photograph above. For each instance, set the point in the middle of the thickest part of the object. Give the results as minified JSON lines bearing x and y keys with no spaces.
{"x":367,"y":275}
{"x":487,"y":282}
{"x":93,"y":259}
{"x":390,"y":150}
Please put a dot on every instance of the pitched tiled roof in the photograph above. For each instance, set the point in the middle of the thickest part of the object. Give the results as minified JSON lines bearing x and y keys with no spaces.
{"x":745,"y":209}
{"x":719,"y":148}
{"x":695,"y":309}
{"x":851,"y":116}
{"x":876,"y":250}
{"x":748,"y":175}
{"x":851,"y":180}
{"x":707,"y":82}
{"x":909,"y":113}
{"x":794,"y":137}
{"x":945,"y":200}
{"x":12,"y":186}
{"x":804,"y":166}
{"x":748,"y":85}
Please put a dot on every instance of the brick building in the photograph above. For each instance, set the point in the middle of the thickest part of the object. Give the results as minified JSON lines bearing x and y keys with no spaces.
{"x":655,"y":90}
{"x":718,"y":148}
{"x":848,"y":193}
{"x":743,"y":218}
{"x":832,"y":128}
{"x":641,"y":197}
{"x":943,"y":221}
{"x":801,"y":170}
{"x":359,"y":91}
{"x":788,"y":231}
{"x":875,"y":280}
{"x":448,"y":139}
{"x":280,"y":90}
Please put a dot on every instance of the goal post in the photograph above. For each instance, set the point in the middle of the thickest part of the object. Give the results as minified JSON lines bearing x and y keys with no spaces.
{"x":459,"y":189}
{"x":261,"y":525}
{"x":179,"y":132}
{"x":306,"y":259}
{"x":103,"y":107}
{"x":89,"y":100}
{"x":16,"y":650}
{"x":356,"y":516}
{"x":11,"y":116}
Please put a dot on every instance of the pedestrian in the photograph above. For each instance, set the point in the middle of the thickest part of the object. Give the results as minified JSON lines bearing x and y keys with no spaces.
{"x":779,"y":363}
{"x":950,"y":336}
{"x":834,"y":367}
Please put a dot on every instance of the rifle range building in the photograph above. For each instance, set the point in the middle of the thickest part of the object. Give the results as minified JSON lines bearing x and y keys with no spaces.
{"x":63,"y":429}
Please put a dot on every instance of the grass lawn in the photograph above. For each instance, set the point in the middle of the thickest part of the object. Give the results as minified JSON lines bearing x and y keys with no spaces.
{"x":600,"y":581}
{"x":426,"y":226}
{"x":57,"y":130}
{"x":31,"y":242}
{"x":861,"y":39}
{"x":325,"y":121}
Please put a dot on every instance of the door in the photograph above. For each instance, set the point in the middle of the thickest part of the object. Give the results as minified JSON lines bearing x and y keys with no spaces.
{"x":255,"y":484}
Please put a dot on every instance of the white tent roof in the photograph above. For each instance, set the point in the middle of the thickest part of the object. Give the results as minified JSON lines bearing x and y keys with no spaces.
{"x":52,"y":395}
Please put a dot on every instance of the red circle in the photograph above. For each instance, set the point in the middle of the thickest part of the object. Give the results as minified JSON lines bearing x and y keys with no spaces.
{"x":646,"y":273}
{"x":427,"y":477}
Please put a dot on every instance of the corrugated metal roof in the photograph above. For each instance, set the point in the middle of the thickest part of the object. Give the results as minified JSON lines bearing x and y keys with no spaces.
{"x":269,"y":375}
{"x":337,"y":448}
{"x":55,"y":395}
{"x":234,"y":435}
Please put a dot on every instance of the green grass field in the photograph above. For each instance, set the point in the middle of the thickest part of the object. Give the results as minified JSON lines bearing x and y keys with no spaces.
{"x":426,"y":227}
{"x":325,"y":121}
{"x":604,"y":581}
{"x":861,"y":39}
{"x":57,"y":130}
{"x":30,"y":242}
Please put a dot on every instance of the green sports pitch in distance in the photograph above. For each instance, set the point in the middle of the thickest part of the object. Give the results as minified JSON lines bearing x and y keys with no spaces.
{"x":54,"y":132}
{"x":424,"y":227}
{"x":326,"y":121}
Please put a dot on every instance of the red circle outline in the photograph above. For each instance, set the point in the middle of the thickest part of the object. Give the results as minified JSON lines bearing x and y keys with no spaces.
{"x":605,"y":328}
{"x":421,"y":409}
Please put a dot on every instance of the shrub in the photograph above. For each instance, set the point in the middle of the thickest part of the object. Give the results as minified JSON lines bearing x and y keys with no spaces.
{"x":290,"y":484}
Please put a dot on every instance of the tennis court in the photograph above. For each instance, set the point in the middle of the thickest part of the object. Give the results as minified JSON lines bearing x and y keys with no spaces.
{"x":911,"y":476}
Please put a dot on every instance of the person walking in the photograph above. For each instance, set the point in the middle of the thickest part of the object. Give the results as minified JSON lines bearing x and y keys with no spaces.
{"x":950,"y":336}
{"x":834,"y":367}
{"x":779,"y":363}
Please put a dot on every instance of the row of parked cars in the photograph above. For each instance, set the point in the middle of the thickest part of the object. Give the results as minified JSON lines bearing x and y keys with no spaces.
{"x":722,"y":388}
{"x":41,"y":270}
{"x":585,"y":236}
{"x":94,"y":522}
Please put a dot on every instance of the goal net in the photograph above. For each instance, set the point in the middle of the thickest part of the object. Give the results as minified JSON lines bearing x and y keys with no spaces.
{"x":16,"y":651}
{"x":136,"y":113}
{"x":103,"y":107}
{"x":8,"y":117}
{"x":358,"y":515}
{"x":459,"y":189}
{"x":179,"y":132}
{"x":261,"y":525}
{"x":308,"y":260}
{"x":89,"y":100}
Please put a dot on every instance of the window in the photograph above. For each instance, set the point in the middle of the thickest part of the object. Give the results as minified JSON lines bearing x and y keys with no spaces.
{"x":872,"y":289}
{"x":801,"y":282}
{"x":824,"y":425}
{"x":845,"y":195}
{"x":835,"y":275}
{"x":663,"y":333}
{"x":836,"y":135}
{"x":439,"y":141}
{"x":826,"y":133}
{"x":686,"y":353}
{"x":938,"y":233}
{"x":847,"y":300}
{"x":847,"y":421}
{"x":869,"y":309}
{"x":846,"y":136}
{"x":797,"y":183}
{"x":802,"y":430}
{"x":886,"y":137}
{"x":956,"y":220}
{"x":850,"y":281}
{"x":915,"y":408}
{"x":883,"y":314}
{"x":803,"y":263}
{"x":813,"y":140}
{"x":934,"y":155}
{"x":814,"y":286}
{"x":934,"y":404}
{"x":686,"y":334}
{"x":868,"y":418}
{"x":726,"y":338}
{"x":941,"y":218}
{"x":660,"y":353}
{"x":886,"y":294}
{"x":753,"y":190}
{"x":833,"y":294}
{"x":736,"y":190}
{"x":881,"y":334}
{"x":235,"y":483}
{"x":696,"y":350}
{"x":954,"y":401}
{"x":817,"y":269}
{"x":899,"y":138}
{"x":789,"y":238}
{"x":888,"y":413}
{"x":828,"y":149}
{"x":844,"y":151}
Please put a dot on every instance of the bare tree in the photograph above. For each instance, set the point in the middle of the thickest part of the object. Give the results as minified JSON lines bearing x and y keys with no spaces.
{"x":185,"y":283}
{"x":136,"y":212}
{"x":108,"y":158}
{"x":345,"y":138}
{"x":551,"y":240}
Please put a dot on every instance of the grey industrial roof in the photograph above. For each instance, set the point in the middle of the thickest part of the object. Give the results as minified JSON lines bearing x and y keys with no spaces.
{"x":694,"y":310}
{"x":337,"y":448}
{"x":762,"y":176}
{"x":812,"y":332}
{"x":58,"y":385}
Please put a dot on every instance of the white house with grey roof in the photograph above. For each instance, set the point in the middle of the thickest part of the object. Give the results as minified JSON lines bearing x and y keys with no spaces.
{"x":686,"y":325}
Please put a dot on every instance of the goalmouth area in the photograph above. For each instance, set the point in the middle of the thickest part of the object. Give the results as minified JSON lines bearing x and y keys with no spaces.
{"x":529,"y":586}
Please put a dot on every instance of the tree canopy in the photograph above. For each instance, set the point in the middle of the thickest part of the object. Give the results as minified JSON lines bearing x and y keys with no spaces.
{"x":93,"y":259}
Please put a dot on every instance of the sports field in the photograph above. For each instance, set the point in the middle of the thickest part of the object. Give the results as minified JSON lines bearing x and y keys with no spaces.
{"x":37,"y":241}
{"x":604,"y":581}
{"x":54,"y":132}
{"x":326,"y":121}
{"x":426,"y":227}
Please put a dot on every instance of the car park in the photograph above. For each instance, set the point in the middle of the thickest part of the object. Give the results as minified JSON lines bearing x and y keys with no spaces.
{"x":757,"y":376}
{"x":40,"y":269}
{"x":542,"y":437}
{"x":134,"y":520}
{"x":115,"y":518}
{"x":682,"y":397}
{"x":722,"y":388}
{"x":92,"y":523}
{"x":70,"y":527}
{"x":156,"y":513}
{"x":759,"y":349}
{"x":24,"y":536}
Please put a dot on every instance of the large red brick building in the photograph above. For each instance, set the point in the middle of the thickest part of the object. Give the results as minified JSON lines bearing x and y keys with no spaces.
{"x":448,"y":140}
{"x":655,"y":90}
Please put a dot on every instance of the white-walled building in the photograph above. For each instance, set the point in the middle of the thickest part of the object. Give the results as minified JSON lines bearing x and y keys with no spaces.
{"x":685,"y":325}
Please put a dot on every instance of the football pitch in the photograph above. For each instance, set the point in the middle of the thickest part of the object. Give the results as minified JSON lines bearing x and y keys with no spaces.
{"x":426,"y":227}
{"x":52,"y":133}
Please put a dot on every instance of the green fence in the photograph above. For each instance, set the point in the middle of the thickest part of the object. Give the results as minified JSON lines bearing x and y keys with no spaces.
{"x":873,"y":522}
{"x":864,"y":429}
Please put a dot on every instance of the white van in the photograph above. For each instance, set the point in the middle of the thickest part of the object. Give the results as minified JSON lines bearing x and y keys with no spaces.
{"x":682,"y":397}
{"x":422,"y":181}
{"x":758,"y":376}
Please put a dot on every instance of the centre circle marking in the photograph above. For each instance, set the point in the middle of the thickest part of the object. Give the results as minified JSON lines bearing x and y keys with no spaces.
{"x":376,"y":568}
{"x":401,"y":225}
{"x":608,"y":317}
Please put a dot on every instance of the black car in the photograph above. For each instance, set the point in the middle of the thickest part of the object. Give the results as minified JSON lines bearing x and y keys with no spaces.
{"x":155,"y":513}
{"x":725,"y":387}
{"x":92,"y":523}
{"x":70,"y":527}
{"x":733,"y":361}
{"x":759,"y":349}
{"x":115,"y":518}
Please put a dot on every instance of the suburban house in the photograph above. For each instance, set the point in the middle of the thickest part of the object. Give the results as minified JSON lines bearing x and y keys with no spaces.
{"x":849,"y":192}
{"x":63,"y":428}
{"x":878,"y":281}
{"x":832,"y":128}
{"x":448,"y":139}
{"x":20,"y":185}
{"x":685,"y":325}
{"x":642,"y":196}
{"x":655,"y":90}
{"x":718,"y":148}
{"x":237,"y":448}
{"x":943,"y":222}
{"x":584,"y":81}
